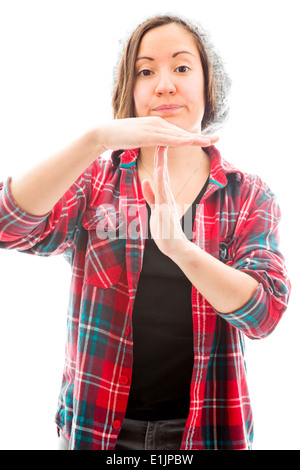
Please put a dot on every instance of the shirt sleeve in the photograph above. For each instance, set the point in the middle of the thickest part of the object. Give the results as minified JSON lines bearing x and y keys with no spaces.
{"x":49,"y":234}
{"x":255,"y":251}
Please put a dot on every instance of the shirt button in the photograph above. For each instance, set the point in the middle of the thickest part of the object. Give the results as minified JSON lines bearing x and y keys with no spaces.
{"x":127,"y":331}
{"x":116,"y":424}
{"x":123,"y":380}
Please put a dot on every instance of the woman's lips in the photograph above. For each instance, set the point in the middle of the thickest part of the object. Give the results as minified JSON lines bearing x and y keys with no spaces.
{"x":167,"y":108}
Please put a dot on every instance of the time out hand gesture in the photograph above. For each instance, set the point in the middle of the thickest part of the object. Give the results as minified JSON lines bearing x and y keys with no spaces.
{"x":165,"y":223}
{"x":146,"y":132}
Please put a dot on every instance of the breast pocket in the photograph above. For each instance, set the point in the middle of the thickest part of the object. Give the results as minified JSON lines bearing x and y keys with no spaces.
{"x":105,"y":255}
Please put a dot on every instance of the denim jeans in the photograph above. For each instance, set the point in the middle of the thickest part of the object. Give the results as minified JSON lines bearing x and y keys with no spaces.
{"x":145,"y":435}
{"x":151,"y":435}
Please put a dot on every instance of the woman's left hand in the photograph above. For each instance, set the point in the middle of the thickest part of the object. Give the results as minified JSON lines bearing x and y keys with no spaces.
{"x":165,"y":223}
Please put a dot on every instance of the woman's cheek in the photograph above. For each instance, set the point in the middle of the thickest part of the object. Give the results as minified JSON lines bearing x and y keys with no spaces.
{"x":141,"y":98}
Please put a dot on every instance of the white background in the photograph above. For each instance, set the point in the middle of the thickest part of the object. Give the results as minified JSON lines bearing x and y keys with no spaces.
{"x":55,"y":83}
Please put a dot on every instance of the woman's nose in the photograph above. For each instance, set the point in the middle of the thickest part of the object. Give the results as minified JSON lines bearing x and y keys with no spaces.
{"x":165,"y":85}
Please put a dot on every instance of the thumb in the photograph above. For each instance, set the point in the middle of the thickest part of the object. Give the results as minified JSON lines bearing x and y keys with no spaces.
{"x":148,"y":192}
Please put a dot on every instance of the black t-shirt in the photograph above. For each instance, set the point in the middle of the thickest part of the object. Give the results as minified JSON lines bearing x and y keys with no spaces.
{"x":162,"y":334}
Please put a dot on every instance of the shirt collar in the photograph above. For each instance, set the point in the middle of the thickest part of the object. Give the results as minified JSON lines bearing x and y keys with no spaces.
{"x":125,"y":158}
{"x":219,"y":170}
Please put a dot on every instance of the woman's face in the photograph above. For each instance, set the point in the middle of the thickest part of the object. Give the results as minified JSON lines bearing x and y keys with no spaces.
{"x":169,"y":79}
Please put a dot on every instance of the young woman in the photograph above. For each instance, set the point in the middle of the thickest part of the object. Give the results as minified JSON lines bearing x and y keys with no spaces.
{"x":174,"y":256}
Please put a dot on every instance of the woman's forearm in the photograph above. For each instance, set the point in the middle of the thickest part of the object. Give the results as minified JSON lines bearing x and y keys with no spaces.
{"x":37,"y":191}
{"x":225,"y":288}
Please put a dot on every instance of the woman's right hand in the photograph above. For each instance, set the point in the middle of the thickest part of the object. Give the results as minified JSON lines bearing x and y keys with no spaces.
{"x":146,"y":132}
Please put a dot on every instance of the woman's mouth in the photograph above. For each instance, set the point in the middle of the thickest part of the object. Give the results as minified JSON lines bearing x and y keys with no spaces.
{"x":167,"y":108}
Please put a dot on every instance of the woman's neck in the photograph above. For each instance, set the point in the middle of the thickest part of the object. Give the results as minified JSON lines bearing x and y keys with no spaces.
{"x":181,"y":160}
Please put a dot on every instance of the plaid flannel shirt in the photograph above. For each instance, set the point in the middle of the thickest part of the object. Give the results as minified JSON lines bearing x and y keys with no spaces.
{"x":236,"y":222}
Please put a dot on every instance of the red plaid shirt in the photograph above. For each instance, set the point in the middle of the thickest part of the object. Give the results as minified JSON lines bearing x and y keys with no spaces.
{"x":236,"y":222}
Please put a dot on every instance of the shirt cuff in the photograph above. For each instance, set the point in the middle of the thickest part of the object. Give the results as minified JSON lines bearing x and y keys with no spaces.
{"x":251,"y":316}
{"x":15,"y":221}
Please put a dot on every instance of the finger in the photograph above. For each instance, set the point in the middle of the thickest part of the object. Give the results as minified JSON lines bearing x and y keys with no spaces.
{"x":161,"y":161}
{"x":187,"y":135}
{"x":164,"y":163}
{"x":160,"y":157}
{"x":148,"y":192}
{"x":205,"y":141}
{"x":172,"y":135}
{"x":159,"y":173}
{"x":169,"y":141}
{"x":166,"y":140}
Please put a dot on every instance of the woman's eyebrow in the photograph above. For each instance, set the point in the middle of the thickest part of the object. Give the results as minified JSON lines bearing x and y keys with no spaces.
{"x":174,"y":55}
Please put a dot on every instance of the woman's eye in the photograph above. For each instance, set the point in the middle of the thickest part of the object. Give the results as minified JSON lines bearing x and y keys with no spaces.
{"x":183,"y":68}
{"x":144,"y":73}
{"x":147,"y":72}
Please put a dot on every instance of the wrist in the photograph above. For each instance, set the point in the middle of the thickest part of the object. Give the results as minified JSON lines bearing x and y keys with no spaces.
{"x":183,"y":252}
{"x":98,"y":138}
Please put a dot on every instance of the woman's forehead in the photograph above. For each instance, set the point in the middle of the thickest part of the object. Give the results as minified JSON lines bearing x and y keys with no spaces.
{"x":172,"y":37}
